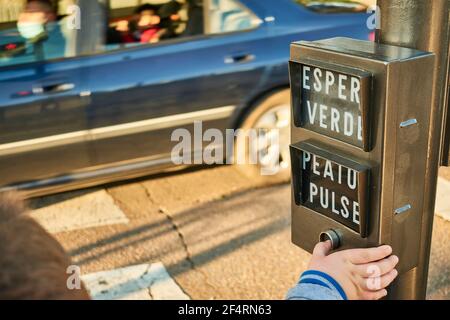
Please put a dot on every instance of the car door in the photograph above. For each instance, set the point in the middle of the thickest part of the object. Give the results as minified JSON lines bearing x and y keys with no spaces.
{"x":43,"y":109}
{"x":142,"y":93}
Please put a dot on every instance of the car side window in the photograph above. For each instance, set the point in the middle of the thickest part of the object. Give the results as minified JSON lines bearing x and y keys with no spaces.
{"x":43,"y":30}
{"x":133,"y":22}
{"x":229,"y":16}
{"x":34,"y":31}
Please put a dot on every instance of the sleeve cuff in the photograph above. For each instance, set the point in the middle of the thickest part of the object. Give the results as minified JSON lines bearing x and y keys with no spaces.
{"x":322,"y":279}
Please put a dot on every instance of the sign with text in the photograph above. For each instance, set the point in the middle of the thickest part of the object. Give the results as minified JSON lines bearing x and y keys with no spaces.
{"x":330,"y":185}
{"x":333,"y":101}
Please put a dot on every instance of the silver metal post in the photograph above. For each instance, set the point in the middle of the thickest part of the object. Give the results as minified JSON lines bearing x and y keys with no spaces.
{"x":422,"y":25}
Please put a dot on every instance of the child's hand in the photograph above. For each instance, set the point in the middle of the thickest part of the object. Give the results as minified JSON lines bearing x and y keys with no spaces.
{"x":363,"y":273}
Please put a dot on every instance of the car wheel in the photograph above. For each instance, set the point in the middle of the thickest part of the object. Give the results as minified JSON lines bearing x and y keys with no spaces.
{"x":270,"y":115}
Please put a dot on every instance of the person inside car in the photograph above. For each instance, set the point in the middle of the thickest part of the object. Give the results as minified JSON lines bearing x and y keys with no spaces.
{"x":34,"y":18}
{"x":143,"y":26}
{"x":154,"y":25}
{"x":38,"y":25}
{"x":120,"y":33}
{"x":148,"y":24}
{"x":170,"y":20}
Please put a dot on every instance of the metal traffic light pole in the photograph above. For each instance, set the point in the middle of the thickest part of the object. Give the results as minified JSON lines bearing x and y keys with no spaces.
{"x":422,"y":25}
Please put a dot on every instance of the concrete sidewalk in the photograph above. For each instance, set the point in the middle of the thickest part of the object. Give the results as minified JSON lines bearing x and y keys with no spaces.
{"x":206,"y":229}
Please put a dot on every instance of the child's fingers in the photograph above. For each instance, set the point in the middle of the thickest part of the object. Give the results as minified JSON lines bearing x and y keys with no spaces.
{"x":387,"y":279}
{"x":377,"y":269}
{"x":361,"y":256}
{"x":376,"y":284}
{"x":374,"y":295}
{"x":322,"y":248}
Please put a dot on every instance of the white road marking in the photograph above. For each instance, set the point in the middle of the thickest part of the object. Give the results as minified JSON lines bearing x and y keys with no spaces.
{"x":89,"y":210}
{"x":139,"y":282}
{"x":443,"y":199}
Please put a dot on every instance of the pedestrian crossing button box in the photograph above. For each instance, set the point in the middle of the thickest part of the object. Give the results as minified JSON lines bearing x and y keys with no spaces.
{"x":359,"y":141}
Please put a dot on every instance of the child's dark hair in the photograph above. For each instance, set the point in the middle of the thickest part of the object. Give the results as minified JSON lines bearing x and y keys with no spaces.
{"x":33,"y":264}
{"x":47,"y":4}
{"x":146,"y":7}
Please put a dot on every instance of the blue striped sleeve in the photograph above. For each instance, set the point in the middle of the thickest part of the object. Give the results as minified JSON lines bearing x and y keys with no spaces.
{"x":316,"y":285}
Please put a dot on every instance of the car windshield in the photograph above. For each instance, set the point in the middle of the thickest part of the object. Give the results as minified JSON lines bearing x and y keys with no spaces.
{"x":335,"y":6}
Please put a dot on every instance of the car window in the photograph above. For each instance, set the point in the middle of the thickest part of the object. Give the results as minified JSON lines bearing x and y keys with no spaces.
{"x":142,"y":22}
{"x":336,"y":6}
{"x":45,"y":30}
{"x":133,"y":22}
{"x":34,"y":31}
{"x":229,"y":16}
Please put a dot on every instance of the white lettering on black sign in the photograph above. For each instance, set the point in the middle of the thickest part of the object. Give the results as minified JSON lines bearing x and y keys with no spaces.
{"x":332,"y":103}
{"x":330,"y":188}
{"x":321,"y":175}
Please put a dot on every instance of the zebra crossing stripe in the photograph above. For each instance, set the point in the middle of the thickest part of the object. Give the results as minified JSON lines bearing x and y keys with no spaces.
{"x":139,"y":282}
{"x":87,"y":210}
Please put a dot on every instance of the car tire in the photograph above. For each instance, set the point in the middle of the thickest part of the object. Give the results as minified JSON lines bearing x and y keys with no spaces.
{"x":271,"y":112}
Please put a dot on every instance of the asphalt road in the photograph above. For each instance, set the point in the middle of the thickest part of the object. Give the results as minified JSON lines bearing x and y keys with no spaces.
{"x":218,"y":234}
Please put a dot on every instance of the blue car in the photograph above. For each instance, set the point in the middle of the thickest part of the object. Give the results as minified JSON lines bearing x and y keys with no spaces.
{"x":91,"y":93}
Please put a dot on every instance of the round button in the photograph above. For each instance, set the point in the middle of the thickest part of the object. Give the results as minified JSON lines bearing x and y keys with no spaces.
{"x":332,"y":236}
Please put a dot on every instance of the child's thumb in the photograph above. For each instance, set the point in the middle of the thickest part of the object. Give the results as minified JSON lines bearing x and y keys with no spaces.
{"x":322,"y":248}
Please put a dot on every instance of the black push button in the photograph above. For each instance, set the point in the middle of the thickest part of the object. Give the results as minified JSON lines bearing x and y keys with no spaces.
{"x":333,"y":236}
